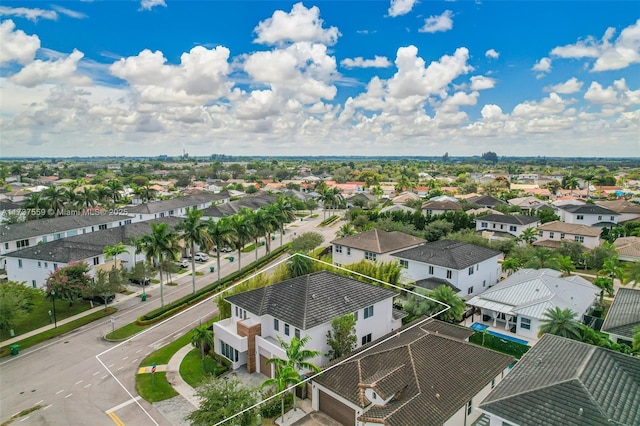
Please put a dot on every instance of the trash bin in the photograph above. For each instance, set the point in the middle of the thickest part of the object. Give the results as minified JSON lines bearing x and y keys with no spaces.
{"x":15,"y":349}
{"x":143,"y":297}
{"x":230,"y":258}
{"x":212,"y":268}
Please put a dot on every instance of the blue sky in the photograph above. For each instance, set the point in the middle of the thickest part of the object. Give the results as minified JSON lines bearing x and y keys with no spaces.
{"x":150,"y":77}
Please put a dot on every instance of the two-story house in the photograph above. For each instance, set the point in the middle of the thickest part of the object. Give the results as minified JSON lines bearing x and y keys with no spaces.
{"x":626,"y":209}
{"x":300,"y":307}
{"x":497,"y":225}
{"x":373,"y":245}
{"x":254,"y":202}
{"x":467,"y":268}
{"x":434,"y":208}
{"x":588,"y":214}
{"x":176,"y":206}
{"x":551,"y":234}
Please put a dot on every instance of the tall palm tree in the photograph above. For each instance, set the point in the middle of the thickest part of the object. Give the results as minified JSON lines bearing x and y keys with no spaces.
{"x":36,"y":206}
{"x":632,"y":273}
{"x":561,"y":322}
{"x":540,"y":259}
{"x":202,"y":337}
{"x":70,"y":195}
{"x":283,"y":211}
{"x":86,"y":198}
{"x":221,"y":234}
{"x":194,"y":232}
{"x":114,"y":251}
{"x":612,"y":269}
{"x":346,"y":230}
{"x":114,"y":186}
{"x":285,"y":377}
{"x":529,"y":235}
{"x":244,"y":230}
{"x":161,"y":244}
{"x":511,"y":265}
{"x":565,"y":264}
{"x":606,"y":285}
{"x":260,"y":226}
{"x":299,"y":265}
{"x":446,"y":295}
{"x":56,"y":197}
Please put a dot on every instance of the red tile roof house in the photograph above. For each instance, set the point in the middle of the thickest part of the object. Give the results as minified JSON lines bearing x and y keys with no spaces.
{"x":373,"y":245}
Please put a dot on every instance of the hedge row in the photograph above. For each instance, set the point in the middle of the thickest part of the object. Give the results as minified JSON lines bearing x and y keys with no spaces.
{"x":186,"y":301}
{"x":329,"y":220}
{"x":498,"y":344}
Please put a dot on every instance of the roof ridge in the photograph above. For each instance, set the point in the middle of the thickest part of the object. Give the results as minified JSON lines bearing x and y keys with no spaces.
{"x":530,"y":390}
{"x":306,"y":301}
{"x":378,"y":240}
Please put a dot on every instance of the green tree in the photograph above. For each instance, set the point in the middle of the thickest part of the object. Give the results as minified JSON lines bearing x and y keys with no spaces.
{"x":161,"y":244}
{"x":285,"y":377}
{"x":114,"y":251}
{"x":311,"y":204}
{"x":102,"y":286}
{"x":541,"y":258}
{"x":55,"y":197}
{"x":114,"y":187}
{"x":547,"y":215}
{"x":299,"y":265}
{"x":69,"y":282}
{"x":306,"y":242}
{"x":511,"y":265}
{"x":86,"y":198}
{"x":529,"y":235}
{"x":220,"y":400}
{"x":346,"y":230}
{"x":437,"y":229}
{"x":261,"y":225}
{"x":244,"y":230}
{"x":194,"y":232}
{"x":561,"y":322}
{"x":606,"y":285}
{"x":16,"y":301}
{"x":283,"y":212}
{"x":565,"y":264}
{"x":635,"y":343}
{"x":612,"y":269}
{"x":342,"y":337}
{"x":202,"y":338}
{"x":632,"y":273}
{"x":419,"y":306}
{"x":222,"y":234}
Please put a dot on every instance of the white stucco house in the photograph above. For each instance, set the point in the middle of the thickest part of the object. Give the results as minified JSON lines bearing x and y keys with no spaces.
{"x":496,"y":225}
{"x":588,"y":214}
{"x":519,"y":302}
{"x":374,"y":245}
{"x":551,"y":234}
{"x":467,"y":268}
{"x":299,"y":307}
{"x":175,"y":206}
{"x":436,"y":207}
{"x":426,"y":375}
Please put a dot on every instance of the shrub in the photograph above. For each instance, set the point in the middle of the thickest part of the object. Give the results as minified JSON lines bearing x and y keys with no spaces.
{"x":272,"y":408}
{"x":499,"y":344}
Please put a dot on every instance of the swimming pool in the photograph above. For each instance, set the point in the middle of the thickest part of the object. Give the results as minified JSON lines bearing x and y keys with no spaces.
{"x":481,"y":327}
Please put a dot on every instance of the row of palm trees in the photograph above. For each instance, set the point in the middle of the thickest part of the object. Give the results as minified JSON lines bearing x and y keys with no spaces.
{"x":165,"y":244}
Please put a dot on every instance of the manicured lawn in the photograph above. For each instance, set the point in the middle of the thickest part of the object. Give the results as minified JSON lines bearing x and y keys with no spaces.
{"x":194,"y":370}
{"x":198,"y":274}
{"x":249,"y":248}
{"x":154,"y":389}
{"x":126,"y":331}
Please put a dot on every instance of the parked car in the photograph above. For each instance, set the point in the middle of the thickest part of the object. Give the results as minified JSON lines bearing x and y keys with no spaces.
{"x":100,"y":298}
{"x":201,"y":257}
{"x":223,"y":249}
{"x":184,"y":263}
{"x":140,"y":281}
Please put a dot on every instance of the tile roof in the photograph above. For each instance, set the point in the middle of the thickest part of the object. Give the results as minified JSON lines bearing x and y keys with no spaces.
{"x":176,"y":203}
{"x":628,"y":246}
{"x":428,"y":375}
{"x":518,"y":219}
{"x":441,"y":205}
{"x":620,"y":206}
{"x":229,"y":209}
{"x":530,"y":292}
{"x":448,"y":253}
{"x":80,"y":247}
{"x":486,"y":200}
{"x":35,"y":228}
{"x":570,"y":228}
{"x":432,"y":283}
{"x":562,"y":382}
{"x":588,"y":209}
{"x":379,"y":241}
{"x":624,"y":313}
{"x":311,"y":300}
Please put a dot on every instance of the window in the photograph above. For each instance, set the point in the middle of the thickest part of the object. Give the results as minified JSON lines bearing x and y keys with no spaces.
{"x":276,"y":324}
{"x":348,"y":251}
{"x":469,"y":407}
{"x":370,"y":256}
{"x":501,"y":226}
{"x":470,"y":290}
{"x":599,"y":217}
{"x":429,"y":212}
{"x":551,"y":234}
{"x":33,"y":283}
{"x":170,"y":212}
{"x":46,"y":265}
{"x":471,"y":270}
{"x":96,"y":261}
{"x":39,"y":264}
{"x":579,"y":238}
{"x":44,"y":240}
{"x":562,"y":236}
{"x":296,"y":332}
{"x":237,"y":314}
{"x":228,"y":352}
{"x":366,"y":339}
{"x":355,"y":315}
{"x":6,"y":246}
{"x":55,"y":266}
{"x":525,"y":323}
{"x":580,"y":217}
{"x":612,"y":218}
{"x":493,"y":383}
{"x":493,"y":225}
{"x":127,"y":222}
{"x":338,"y":248}
{"x":22,"y":243}
{"x":431,"y":270}
{"x":449,"y":274}
{"x":484,"y":224}
{"x":162,"y":214}
{"x":286,"y":329}
{"x":404,"y":263}
{"x":19,"y":263}
{"x":513,"y":228}
{"x":368,"y":312}
{"x":102,"y":227}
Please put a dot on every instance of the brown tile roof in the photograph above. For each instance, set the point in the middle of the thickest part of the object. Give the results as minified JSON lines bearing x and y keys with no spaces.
{"x":378,"y":241}
{"x":570,"y":228}
{"x":441,"y":205}
{"x":628,"y":246}
{"x":620,"y":206}
{"x":430,"y":376}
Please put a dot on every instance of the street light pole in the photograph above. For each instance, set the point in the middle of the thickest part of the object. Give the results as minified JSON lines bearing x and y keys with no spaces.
{"x":53,"y":301}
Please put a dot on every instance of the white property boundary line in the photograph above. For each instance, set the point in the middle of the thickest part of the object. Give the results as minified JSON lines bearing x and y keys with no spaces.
{"x":136,"y":400}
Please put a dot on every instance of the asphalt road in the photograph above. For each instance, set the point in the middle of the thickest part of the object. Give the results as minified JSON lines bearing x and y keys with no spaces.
{"x":80,"y":379}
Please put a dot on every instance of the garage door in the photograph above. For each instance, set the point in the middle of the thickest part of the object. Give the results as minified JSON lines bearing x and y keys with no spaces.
{"x":336,"y":409}
{"x":264,"y":367}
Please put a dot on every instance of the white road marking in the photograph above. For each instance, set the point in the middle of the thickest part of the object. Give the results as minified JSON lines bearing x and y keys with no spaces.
{"x":134,"y":360}
{"x":38,"y":403}
{"x":96,"y":373}
{"x":138,"y":351}
{"x":125,"y":358}
{"x":47,"y":406}
{"x":25,"y":418}
{"x":16,"y":414}
{"x":104,"y":377}
{"x":119,"y":368}
{"x":124,"y":404}
{"x":110,"y":365}
{"x":60,"y":391}
{"x":78,"y":382}
{"x":86,"y":386}
{"x":68,"y":396}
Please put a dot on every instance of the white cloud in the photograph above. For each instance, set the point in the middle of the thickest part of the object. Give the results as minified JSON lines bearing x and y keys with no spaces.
{"x":16,"y":46}
{"x":150,"y":4}
{"x":547,"y":107}
{"x":360,"y":62}
{"x":301,"y":24}
{"x":438,"y":23}
{"x":59,"y":71}
{"x":570,"y":86}
{"x":623,"y":52}
{"x":492,"y":53}
{"x":618,"y":94}
{"x":401,"y":7}
{"x":68,"y":12}
{"x":31,"y":14}
{"x":543,"y":65}
{"x":479,"y":82}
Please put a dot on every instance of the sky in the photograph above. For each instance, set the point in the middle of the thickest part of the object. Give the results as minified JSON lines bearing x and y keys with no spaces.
{"x":399,"y":77}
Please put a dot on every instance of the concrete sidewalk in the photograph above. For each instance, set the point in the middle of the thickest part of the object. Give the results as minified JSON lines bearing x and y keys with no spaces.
{"x":176,"y":381}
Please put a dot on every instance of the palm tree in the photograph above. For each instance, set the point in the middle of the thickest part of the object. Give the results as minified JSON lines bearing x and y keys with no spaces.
{"x":611,"y":268}
{"x":606,"y":285}
{"x":244,"y":230}
{"x":70,"y":195}
{"x":221,"y":234}
{"x":202,"y":337}
{"x":346,"y":230}
{"x":36,"y":206}
{"x":540,"y":259}
{"x":529,"y":235}
{"x":570,"y":182}
{"x":285,"y":377}
{"x":193,"y":231}
{"x":565,"y":264}
{"x":114,"y":186}
{"x":511,"y":265}
{"x":283,"y":211}
{"x":161,"y":244}
{"x":114,"y":251}
{"x":561,"y":322}
{"x":299,"y":265}
{"x":635,"y":343}
{"x":632,"y":273}
{"x":86,"y":198}
{"x":55,"y":197}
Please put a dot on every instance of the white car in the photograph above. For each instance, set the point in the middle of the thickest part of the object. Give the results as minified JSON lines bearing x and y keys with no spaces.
{"x":201,"y":257}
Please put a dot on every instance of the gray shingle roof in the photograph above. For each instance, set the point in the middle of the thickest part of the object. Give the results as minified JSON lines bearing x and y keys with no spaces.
{"x":232,"y":207}
{"x":34,"y":228}
{"x":562,"y":382}
{"x":448,"y":253}
{"x":311,"y":300}
{"x":518,"y":219}
{"x":441,"y":205}
{"x":431,"y":376}
{"x":432,"y":283}
{"x":588,"y":209}
{"x":378,"y":241}
{"x":624,"y":314}
{"x":486,"y":200}
{"x":177,"y":203}
{"x":83,"y":246}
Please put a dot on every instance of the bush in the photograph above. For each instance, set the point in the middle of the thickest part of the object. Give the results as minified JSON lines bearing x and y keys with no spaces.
{"x":272,"y":408}
{"x":499,"y":344}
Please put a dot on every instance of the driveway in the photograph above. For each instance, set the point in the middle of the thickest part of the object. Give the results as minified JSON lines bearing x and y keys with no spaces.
{"x":316,"y":418}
